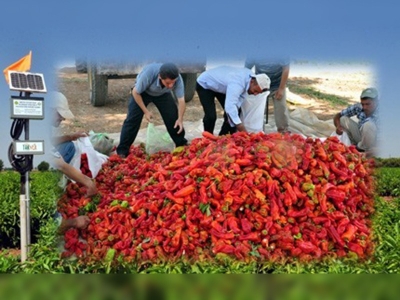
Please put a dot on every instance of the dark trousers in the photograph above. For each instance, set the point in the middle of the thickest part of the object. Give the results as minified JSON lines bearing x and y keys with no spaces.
{"x":169,"y":112}
{"x":207,"y":100}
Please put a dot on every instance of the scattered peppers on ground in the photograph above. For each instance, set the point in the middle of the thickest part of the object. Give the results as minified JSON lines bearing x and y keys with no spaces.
{"x":265,"y":197}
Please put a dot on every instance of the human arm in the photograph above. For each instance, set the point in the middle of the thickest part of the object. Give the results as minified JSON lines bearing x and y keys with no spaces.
{"x":139,"y":100}
{"x":80,"y":222}
{"x":350,"y":111}
{"x":76,"y":175}
{"x":233,"y":101}
{"x":282,"y":85}
{"x":181,"y":112}
{"x":336,"y":122}
{"x":240,"y":127}
{"x":68,"y":137}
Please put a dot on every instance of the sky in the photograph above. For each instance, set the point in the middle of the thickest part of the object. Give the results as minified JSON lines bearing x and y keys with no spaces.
{"x":57,"y":33}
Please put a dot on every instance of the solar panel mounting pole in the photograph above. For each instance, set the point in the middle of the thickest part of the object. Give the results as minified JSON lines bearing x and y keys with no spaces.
{"x":24,"y":204}
{"x":25,"y":107}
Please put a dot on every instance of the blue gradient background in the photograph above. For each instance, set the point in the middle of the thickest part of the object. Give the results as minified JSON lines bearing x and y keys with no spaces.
{"x":307,"y":30}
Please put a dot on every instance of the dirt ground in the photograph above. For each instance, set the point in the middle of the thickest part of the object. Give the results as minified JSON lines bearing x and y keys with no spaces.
{"x":109,"y":118}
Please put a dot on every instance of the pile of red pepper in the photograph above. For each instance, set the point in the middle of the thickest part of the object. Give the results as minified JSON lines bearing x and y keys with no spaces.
{"x":266,"y":197}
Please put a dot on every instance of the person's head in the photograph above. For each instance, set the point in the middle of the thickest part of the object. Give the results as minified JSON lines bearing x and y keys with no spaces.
{"x":259,"y":83}
{"x":168,"y":75}
{"x":369,"y":100}
{"x":60,"y":107}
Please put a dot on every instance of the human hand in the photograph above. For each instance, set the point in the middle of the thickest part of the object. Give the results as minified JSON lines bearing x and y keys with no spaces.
{"x":279,"y":94}
{"x":149,"y":116}
{"x":81,"y":222}
{"x":179,"y":124}
{"x":78,"y":135}
{"x":339,"y":130}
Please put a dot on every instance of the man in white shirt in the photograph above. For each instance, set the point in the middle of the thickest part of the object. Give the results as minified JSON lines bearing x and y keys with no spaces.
{"x":230,"y":85}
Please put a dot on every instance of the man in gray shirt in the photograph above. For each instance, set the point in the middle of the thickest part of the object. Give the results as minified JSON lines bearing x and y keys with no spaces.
{"x":154,"y":84}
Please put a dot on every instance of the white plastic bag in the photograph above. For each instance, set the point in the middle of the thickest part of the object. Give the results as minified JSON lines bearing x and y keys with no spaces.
{"x":101,"y":142}
{"x":158,"y":140}
{"x":95,"y":158}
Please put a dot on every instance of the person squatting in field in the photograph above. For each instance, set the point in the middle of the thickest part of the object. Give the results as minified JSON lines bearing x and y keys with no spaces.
{"x":62,"y":154}
{"x":363,"y":133}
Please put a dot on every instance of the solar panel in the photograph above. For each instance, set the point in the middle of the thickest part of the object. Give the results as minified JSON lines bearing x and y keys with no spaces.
{"x":26,"y":82}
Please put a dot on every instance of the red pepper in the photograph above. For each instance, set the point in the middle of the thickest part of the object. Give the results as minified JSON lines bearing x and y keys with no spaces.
{"x":186,"y":191}
{"x":349,"y":234}
{"x":246,"y":225}
{"x":335,"y":235}
{"x":222,"y":235}
{"x":232,"y":224}
{"x":223,"y":248}
{"x":278,"y":160}
{"x":320,"y":151}
{"x":299,"y":213}
{"x":337,"y":195}
{"x":361,"y":226}
{"x":340,"y":158}
{"x":252,"y":236}
{"x":356,"y":248}
{"x":209,"y":135}
{"x":216,"y":194}
{"x":338,"y":171}
{"x":243,"y":162}
{"x":177,"y":200}
{"x":290,"y":196}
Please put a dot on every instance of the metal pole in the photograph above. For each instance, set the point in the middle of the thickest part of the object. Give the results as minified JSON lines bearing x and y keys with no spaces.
{"x":28,"y":209}
{"x":27,"y":190}
{"x":23,"y":225}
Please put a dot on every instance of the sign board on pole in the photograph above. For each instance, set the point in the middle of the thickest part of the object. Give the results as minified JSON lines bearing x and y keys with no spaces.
{"x":28,"y":147}
{"x":27,"y":107}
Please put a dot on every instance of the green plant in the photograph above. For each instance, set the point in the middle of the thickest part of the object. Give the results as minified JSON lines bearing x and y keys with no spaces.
{"x":388,"y":181}
{"x":43,"y":166}
{"x":43,"y":194}
{"x":313,"y":93}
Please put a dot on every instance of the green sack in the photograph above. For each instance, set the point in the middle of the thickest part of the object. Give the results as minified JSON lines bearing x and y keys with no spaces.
{"x":158,"y":140}
{"x":101,"y":142}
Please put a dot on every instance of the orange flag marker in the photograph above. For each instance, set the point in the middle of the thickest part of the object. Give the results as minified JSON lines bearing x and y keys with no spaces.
{"x":22,"y":65}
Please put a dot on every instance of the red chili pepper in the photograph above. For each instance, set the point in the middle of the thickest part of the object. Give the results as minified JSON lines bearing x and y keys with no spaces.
{"x":222,"y":235}
{"x":342,"y":225}
{"x":233,"y":224}
{"x":361,"y":226}
{"x":320,"y":151}
{"x":338,"y":171}
{"x":356,"y":248}
{"x":290,"y":195}
{"x":335,"y":235}
{"x":246,"y":225}
{"x":337,"y":195}
{"x":216,"y":194}
{"x":243,"y":162}
{"x":340,"y":158}
{"x":349,"y":234}
{"x":185,"y":191}
{"x":278,"y":160}
{"x":252,"y":236}
{"x":177,"y":200}
{"x":209,"y":135}
{"x":299,"y":213}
